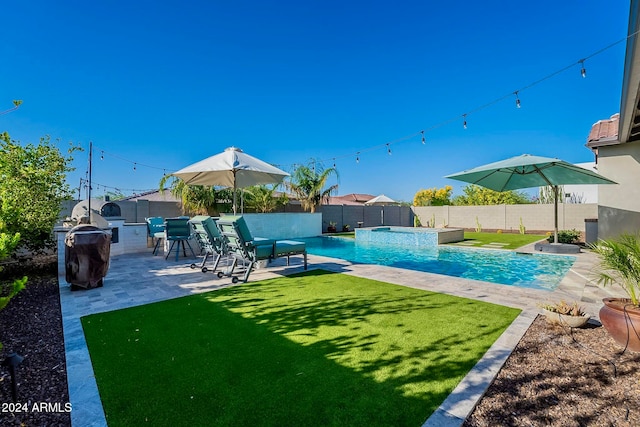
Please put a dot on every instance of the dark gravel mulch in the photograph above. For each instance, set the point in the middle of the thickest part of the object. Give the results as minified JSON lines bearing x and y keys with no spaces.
{"x":554,"y":377}
{"x":31,"y":326}
{"x":559,"y":376}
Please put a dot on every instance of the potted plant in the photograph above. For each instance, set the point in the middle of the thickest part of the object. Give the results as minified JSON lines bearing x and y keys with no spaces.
{"x":346,"y":228}
{"x":565,"y":314}
{"x":620,"y":264}
{"x":332,"y":227}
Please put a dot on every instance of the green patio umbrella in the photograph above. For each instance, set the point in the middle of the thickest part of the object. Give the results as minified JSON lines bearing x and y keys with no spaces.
{"x":528,"y":171}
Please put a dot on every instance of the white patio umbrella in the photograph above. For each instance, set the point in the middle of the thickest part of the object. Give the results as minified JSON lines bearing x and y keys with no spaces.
{"x":381,"y":200}
{"x":232,"y":168}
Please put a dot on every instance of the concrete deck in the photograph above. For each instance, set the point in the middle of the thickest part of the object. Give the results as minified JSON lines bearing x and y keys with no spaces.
{"x":136,"y":279}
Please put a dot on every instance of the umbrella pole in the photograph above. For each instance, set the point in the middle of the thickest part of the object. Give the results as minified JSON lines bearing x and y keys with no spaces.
{"x":555,"y":209}
{"x":234,"y":192}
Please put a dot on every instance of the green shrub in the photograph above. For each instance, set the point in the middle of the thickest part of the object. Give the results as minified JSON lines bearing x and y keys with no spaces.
{"x":8,"y":243}
{"x":566,"y":236}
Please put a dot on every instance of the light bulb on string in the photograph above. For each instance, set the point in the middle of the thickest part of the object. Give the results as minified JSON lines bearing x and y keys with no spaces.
{"x":424,"y":141}
{"x":388,"y":149}
{"x":134,"y":166}
{"x":583,"y":71}
{"x":334,"y":162}
{"x":102,"y":155}
{"x":358,"y":157}
{"x":464,"y":121}
{"x":517,"y":99}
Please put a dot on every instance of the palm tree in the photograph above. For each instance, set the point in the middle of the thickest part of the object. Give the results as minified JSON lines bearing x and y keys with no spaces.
{"x":263,"y":199}
{"x":198,"y":199}
{"x":620,"y":264}
{"x":308,"y":184}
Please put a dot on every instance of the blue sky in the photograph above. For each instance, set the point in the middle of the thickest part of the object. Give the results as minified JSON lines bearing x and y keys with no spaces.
{"x":163,"y":84}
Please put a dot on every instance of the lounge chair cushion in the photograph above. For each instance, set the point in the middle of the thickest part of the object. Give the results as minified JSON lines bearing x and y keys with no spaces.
{"x":289,"y":247}
{"x":264,"y":251}
{"x":241,"y":225}
{"x":208,"y":223}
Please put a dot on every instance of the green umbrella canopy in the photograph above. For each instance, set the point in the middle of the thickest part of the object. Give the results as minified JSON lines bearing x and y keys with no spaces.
{"x":528,"y":171}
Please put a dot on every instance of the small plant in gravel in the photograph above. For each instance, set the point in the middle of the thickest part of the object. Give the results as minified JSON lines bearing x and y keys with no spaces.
{"x":563,"y":307}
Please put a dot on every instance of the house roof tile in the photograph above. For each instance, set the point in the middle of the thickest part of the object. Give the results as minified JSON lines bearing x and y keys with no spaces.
{"x":604,"y":131}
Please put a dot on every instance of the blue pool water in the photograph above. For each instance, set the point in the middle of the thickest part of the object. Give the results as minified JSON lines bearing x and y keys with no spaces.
{"x":536,"y":271}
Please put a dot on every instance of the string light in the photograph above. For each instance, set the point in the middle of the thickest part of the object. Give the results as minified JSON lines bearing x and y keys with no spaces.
{"x":134,"y":166}
{"x":334,"y":162}
{"x":102,"y":155}
{"x":583,"y":73}
{"x":84,"y":184}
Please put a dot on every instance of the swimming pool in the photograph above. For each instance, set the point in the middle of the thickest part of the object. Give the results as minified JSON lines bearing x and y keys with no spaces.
{"x":535,"y":271}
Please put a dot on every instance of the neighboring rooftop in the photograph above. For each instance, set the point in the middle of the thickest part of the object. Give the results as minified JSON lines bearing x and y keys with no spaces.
{"x":352,"y":199}
{"x":604,"y":132}
{"x":154,"y":196}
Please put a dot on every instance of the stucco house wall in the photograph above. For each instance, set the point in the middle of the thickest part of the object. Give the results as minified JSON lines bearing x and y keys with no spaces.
{"x":619,"y":205}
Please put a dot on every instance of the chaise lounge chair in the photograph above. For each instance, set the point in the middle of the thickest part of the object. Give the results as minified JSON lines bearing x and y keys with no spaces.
{"x":211,"y":241}
{"x":244,"y":247}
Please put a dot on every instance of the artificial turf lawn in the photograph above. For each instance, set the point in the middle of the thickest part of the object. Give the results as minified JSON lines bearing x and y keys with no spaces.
{"x":317,"y":348}
{"x":512,"y":240}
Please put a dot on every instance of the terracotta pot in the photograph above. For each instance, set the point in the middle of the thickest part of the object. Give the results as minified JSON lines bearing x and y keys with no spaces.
{"x":565,"y":319}
{"x":622,"y":321}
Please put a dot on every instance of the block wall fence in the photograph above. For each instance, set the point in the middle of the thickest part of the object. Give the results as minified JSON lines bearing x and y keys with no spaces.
{"x":536,"y":217}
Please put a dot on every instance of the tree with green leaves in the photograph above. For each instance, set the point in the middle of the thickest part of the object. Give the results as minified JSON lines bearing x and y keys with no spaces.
{"x":199,"y":199}
{"x":32,"y":188}
{"x":114,"y":195}
{"x":546,"y":195}
{"x":475,"y":195}
{"x":261,"y":198}
{"x":309,"y":184}
{"x":433,"y":197}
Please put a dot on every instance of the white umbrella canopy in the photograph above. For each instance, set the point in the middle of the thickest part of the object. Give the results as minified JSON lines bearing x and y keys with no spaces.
{"x":381,"y":200}
{"x":232,"y":168}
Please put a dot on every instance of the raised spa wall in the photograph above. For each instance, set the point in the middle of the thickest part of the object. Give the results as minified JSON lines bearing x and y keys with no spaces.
{"x":409,"y":235}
